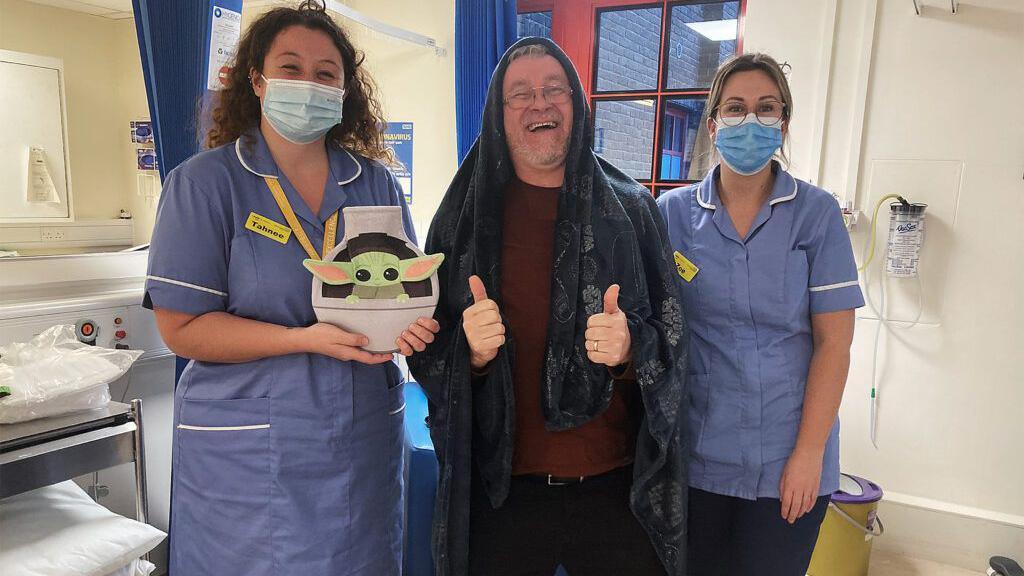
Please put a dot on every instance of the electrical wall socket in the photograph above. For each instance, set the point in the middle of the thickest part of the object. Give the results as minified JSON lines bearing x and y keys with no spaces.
{"x":51,"y":234}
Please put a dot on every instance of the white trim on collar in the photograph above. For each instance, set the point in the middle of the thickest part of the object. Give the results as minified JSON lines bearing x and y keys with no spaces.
{"x":785,"y":198}
{"x":359,"y":168}
{"x":707,"y":204}
{"x":238,"y":152}
{"x":701,"y":201}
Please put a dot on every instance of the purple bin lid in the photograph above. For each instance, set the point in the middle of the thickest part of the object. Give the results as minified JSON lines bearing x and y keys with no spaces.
{"x":856,"y":490}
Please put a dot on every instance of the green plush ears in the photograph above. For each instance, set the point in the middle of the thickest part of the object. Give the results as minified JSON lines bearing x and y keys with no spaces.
{"x":334,"y":273}
{"x":421,"y":268}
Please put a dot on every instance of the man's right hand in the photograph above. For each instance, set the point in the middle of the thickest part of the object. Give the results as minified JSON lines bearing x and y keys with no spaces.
{"x":483,"y":327}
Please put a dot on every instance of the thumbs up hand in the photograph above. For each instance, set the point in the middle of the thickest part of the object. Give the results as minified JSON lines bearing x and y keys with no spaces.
{"x":482,"y":325}
{"x":607,"y":337}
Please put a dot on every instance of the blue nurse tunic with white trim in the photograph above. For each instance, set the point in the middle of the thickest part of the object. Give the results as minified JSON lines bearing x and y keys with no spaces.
{"x":289,"y":465}
{"x":749,"y":311}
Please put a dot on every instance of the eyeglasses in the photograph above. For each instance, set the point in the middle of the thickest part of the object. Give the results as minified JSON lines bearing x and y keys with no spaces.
{"x":553,"y":94}
{"x":768,"y":112}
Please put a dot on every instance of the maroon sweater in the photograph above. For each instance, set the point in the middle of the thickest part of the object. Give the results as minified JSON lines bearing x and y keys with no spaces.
{"x":606,"y":442}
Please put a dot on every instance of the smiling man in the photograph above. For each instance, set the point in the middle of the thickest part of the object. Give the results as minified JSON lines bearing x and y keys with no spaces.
{"x":538,"y":118}
{"x":555,"y":384}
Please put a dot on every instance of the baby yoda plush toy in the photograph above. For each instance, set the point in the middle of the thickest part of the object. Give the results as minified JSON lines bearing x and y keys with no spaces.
{"x":376,"y":275}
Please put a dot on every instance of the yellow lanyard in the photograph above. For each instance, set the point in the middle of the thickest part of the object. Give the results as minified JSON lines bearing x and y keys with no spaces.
{"x":330,"y":228}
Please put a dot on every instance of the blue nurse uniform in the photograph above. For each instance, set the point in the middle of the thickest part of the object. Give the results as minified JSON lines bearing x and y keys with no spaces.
{"x":749,"y":310}
{"x":289,"y":465}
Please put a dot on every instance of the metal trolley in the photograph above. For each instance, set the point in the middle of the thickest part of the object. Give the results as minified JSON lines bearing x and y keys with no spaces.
{"x":43,"y":452}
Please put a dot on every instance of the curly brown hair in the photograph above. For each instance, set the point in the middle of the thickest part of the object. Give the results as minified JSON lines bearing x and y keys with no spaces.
{"x":237,"y":109}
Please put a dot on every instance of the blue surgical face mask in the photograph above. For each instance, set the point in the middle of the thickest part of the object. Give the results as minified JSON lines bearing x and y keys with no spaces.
{"x":301,"y":111}
{"x":749,"y":146}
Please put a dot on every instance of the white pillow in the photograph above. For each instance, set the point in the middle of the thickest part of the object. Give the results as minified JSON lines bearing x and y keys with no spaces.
{"x":138,"y":567}
{"x":60,"y":531}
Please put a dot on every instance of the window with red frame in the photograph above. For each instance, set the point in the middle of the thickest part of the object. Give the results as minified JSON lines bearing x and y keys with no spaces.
{"x":647,"y":68}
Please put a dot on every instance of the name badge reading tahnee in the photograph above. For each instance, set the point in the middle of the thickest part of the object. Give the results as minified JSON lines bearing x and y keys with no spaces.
{"x":266,"y":227}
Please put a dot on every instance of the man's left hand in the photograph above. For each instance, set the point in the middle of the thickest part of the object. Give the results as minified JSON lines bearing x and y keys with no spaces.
{"x":607,"y":337}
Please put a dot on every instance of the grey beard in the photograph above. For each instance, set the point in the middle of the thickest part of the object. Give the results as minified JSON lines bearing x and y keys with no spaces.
{"x":541,"y":158}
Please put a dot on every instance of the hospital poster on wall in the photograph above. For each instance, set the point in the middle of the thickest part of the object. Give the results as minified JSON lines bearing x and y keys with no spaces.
{"x":146,"y":159}
{"x":224,"y":32}
{"x":398,"y":136}
{"x":142,"y":131}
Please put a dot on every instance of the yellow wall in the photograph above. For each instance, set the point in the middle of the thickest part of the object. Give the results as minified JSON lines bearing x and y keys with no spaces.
{"x":416,"y":85}
{"x":104,"y":91}
{"x":132,"y":105}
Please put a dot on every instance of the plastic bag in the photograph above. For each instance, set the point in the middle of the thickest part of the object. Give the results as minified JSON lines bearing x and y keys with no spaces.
{"x":54,"y":374}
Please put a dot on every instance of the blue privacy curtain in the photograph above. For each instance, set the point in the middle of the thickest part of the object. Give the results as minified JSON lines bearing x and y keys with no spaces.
{"x":175,"y":44}
{"x":484,"y":29}
{"x":171,"y":37}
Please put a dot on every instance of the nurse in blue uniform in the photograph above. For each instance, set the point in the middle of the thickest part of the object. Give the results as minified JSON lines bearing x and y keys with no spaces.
{"x":769,"y":286}
{"x":287,"y":455}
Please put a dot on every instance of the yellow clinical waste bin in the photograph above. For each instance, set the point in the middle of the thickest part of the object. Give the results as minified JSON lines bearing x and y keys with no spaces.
{"x":850,"y":526}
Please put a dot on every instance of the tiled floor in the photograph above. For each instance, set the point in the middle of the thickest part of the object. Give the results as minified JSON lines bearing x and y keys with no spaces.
{"x":890,"y":565}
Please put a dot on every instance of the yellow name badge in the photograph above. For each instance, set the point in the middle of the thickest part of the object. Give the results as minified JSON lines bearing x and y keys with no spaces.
{"x":686,"y":268}
{"x":267,"y":227}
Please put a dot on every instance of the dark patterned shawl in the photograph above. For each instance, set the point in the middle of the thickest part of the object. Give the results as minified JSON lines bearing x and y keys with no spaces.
{"x":608,"y":231}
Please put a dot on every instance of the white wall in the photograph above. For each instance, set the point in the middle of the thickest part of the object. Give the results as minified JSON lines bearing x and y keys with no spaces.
{"x":766,"y":31}
{"x":926,"y":106}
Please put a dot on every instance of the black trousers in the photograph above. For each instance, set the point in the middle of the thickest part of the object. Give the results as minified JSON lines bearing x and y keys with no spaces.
{"x":588,"y":528}
{"x":730,"y":536}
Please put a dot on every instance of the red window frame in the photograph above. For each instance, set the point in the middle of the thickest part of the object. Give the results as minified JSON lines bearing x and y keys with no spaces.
{"x":573,"y":27}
